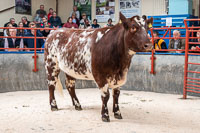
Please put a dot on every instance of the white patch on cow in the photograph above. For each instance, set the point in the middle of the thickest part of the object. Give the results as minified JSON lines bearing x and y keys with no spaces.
{"x":131,"y":52}
{"x":115,"y":84}
{"x":76,"y":102}
{"x":137,"y":21}
{"x":53,"y":103}
{"x":61,"y":30}
{"x":116,"y":105}
{"x":107,"y":30}
{"x":104,"y":90}
{"x":71,"y":83}
{"x":82,"y":40}
{"x":99,"y":36}
{"x":118,"y":112}
{"x":57,"y":35}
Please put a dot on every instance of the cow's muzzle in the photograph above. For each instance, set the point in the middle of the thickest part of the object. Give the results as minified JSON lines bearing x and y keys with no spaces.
{"x":148,"y":47}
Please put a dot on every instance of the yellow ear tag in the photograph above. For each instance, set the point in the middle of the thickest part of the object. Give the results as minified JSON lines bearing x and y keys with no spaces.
{"x":150,"y":25}
{"x":120,"y":21}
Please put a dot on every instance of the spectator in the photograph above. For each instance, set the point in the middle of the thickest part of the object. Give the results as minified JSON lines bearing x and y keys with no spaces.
{"x":95,"y":25}
{"x":84,"y":16}
{"x":41,"y":11}
{"x":86,"y":24}
{"x":76,"y":12}
{"x":50,"y":13}
{"x":21,"y":33}
{"x":7,"y":30}
{"x":29,"y":43}
{"x":176,"y":43}
{"x":11,"y":21}
{"x":45,"y":32}
{"x":55,"y":21}
{"x":38,"y":19}
{"x":75,"y":19}
{"x":109,"y":24}
{"x":25,"y":21}
{"x":11,"y":42}
{"x":70,"y":24}
{"x":44,"y":22}
{"x":195,"y":46}
{"x":158,"y":43}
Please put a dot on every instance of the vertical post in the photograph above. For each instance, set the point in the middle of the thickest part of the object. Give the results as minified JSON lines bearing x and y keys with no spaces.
{"x":169,"y":31}
{"x":186,"y":61}
{"x":35,"y":53}
{"x":152,"y":58}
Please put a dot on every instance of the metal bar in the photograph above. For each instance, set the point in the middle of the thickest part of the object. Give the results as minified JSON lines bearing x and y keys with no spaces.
{"x":193,"y":63}
{"x":193,"y":78}
{"x":35,"y":53}
{"x":193,"y":85}
{"x":193,"y":53}
{"x":22,"y":37}
{"x":186,"y":61}
{"x":193,"y":72}
{"x":193,"y":88}
{"x":193,"y":91}
{"x":166,"y":33}
{"x":152,"y":54}
{"x":193,"y":82}
{"x":169,"y":32}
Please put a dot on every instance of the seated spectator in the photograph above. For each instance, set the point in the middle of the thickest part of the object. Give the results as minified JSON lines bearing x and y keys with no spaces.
{"x":29,"y":42}
{"x":158,"y":43}
{"x":12,"y":21}
{"x":55,"y":21}
{"x":41,"y":11}
{"x":44,"y":22}
{"x":21,"y":33}
{"x":75,"y":19}
{"x":25,"y":21}
{"x":7,"y":30}
{"x":11,"y":42}
{"x":45,"y":32}
{"x":86,"y":24}
{"x":109,"y":24}
{"x":70,"y":24}
{"x":76,"y":12}
{"x":82,"y":21}
{"x":95,"y":25}
{"x":195,"y":46}
{"x":38,"y":19}
{"x":50,"y":14}
{"x":176,"y":43}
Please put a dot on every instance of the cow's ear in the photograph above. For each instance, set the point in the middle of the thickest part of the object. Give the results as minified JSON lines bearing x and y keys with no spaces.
{"x":123,"y":20}
{"x":149,"y":22}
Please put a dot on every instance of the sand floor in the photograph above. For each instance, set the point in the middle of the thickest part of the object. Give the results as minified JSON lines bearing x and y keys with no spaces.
{"x":143,"y":112}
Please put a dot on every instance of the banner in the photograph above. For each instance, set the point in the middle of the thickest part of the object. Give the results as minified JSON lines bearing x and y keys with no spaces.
{"x":105,"y":9}
{"x":130,"y":8}
{"x":84,"y":6}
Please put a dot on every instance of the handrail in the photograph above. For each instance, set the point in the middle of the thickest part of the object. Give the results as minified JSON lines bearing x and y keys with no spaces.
{"x":24,"y":37}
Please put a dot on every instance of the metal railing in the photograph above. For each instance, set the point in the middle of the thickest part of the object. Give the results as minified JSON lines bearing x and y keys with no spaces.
{"x":24,"y":37}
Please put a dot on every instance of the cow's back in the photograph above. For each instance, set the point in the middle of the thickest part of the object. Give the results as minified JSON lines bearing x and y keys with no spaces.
{"x":71,"y":50}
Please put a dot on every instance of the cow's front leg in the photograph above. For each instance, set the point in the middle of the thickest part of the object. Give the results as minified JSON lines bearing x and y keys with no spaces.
{"x":105,"y":97}
{"x":116,"y":110}
{"x":70,"y":85}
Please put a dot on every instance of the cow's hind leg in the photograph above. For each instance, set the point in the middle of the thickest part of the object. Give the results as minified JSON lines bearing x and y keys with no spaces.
{"x":105,"y":97}
{"x":116,"y":110}
{"x":52,"y":73}
{"x":70,"y":85}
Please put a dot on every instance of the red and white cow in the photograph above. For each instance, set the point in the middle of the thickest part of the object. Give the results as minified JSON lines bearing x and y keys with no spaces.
{"x":103,"y":55}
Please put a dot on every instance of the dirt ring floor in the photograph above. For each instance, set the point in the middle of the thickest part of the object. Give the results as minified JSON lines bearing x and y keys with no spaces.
{"x":143,"y":112}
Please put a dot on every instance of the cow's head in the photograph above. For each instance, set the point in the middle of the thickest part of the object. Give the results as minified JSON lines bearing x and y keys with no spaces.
{"x":136,"y":37}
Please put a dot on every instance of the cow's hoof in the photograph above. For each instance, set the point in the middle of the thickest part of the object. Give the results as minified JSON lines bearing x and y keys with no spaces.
{"x":78,"y":108}
{"x":105,"y":118}
{"x":117,"y":116}
{"x":54,"y":108}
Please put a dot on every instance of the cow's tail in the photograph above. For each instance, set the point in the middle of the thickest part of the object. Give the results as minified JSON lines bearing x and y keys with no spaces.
{"x":59,"y":87}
